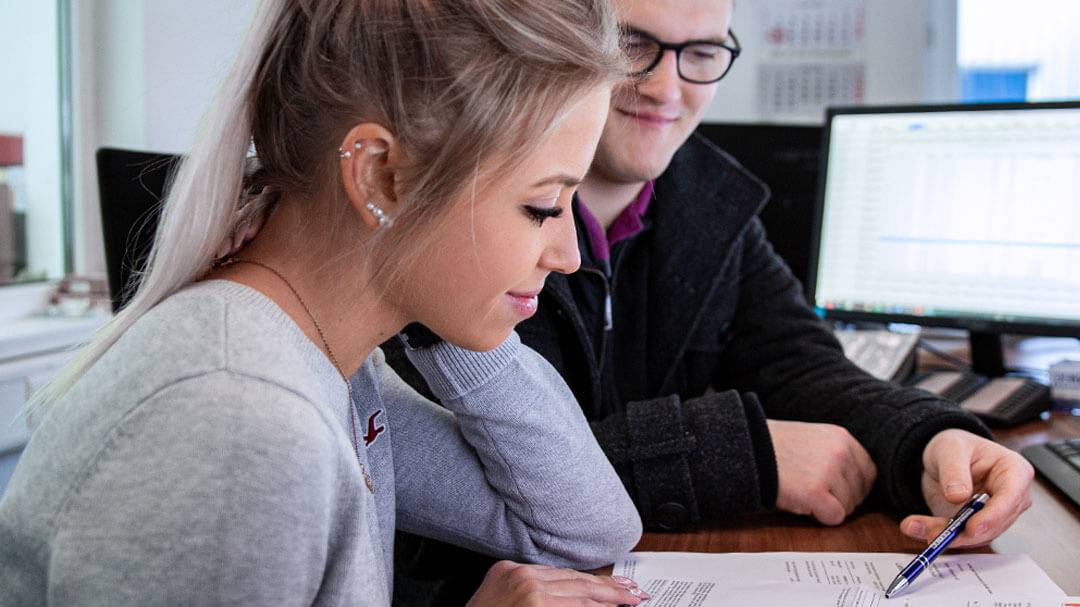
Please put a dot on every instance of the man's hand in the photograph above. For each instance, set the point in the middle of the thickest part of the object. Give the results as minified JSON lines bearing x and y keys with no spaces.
{"x":509,"y":583}
{"x":956,"y":464}
{"x":821,"y":470}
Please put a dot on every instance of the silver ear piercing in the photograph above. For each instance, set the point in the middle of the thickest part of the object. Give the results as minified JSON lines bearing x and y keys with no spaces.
{"x":380,"y":215}
{"x":343,"y":153}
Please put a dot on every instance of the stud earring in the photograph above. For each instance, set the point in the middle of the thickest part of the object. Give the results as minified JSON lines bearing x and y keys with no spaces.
{"x":380,"y":215}
{"x":342,"y":153}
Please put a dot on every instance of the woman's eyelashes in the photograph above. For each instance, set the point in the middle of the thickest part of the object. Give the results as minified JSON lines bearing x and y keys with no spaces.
{"x":540,"y":214}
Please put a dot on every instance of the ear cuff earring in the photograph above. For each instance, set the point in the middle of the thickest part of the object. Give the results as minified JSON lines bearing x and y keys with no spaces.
{"x":380,"y":215}
{"x":343,"y":153}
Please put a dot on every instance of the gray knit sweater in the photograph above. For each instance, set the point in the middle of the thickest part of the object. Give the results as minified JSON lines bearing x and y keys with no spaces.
{"x":208,"y":458}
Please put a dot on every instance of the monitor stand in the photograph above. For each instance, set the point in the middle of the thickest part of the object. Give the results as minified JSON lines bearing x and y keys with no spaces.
{"x":986,"y":354}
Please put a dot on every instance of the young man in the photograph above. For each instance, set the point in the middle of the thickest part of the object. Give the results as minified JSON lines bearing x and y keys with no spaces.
{"x":709,"y":382}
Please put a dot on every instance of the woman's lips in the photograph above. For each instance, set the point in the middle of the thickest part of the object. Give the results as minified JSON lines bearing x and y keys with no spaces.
{"x":524,"y":304}
{"x":648,"y":118}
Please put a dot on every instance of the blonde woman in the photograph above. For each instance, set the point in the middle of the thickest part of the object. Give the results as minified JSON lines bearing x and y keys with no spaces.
{"x":234,"y":435}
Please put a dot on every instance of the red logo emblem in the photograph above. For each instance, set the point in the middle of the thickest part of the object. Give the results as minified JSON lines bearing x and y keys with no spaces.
{"x":373,"y":431}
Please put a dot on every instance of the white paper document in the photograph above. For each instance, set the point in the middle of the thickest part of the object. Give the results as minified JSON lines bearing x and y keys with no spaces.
{"x":837,"y":579}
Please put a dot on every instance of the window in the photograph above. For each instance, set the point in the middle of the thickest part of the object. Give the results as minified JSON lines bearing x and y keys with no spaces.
{"x":34,"y":153}
{"x":1009,"y":51}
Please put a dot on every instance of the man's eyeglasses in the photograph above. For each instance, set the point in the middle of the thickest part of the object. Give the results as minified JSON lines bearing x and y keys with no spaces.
{"x":698,"y":61}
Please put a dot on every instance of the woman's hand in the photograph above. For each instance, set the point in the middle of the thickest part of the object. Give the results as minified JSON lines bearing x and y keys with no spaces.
{"x":509,"y":583}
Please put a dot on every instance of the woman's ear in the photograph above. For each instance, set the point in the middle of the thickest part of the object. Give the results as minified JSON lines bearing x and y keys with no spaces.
{"x":369,"y":156}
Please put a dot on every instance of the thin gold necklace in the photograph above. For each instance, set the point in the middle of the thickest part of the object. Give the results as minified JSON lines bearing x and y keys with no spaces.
{"x":333,"y":359}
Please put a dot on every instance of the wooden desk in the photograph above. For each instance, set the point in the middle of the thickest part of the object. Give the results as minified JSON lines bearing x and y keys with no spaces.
{"x":1049,"y":531}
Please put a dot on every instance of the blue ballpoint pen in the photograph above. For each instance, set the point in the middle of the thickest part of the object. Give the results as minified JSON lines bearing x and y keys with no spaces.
{"x":953,"y":529}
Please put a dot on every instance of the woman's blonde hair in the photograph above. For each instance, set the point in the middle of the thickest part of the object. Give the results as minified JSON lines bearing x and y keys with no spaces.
{"x":462,"y":84}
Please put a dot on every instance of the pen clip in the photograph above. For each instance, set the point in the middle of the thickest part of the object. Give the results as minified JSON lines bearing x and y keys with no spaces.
{"x":974,"y":504}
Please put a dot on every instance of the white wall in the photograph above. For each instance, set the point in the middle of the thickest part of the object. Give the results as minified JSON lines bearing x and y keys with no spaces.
{"x":119,"y":71}
{"x":907,"y":54}
{"x":187,"y":54}
{"x":159,"y":64}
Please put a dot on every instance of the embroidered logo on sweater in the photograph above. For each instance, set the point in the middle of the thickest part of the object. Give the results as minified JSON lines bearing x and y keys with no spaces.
{"x":373,"y":431}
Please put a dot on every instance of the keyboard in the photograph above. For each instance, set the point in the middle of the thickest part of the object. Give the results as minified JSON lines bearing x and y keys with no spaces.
{"x":1059,"y":462}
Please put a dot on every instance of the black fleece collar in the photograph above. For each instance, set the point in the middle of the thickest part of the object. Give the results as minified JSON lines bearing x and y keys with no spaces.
{"x":702,"y":203}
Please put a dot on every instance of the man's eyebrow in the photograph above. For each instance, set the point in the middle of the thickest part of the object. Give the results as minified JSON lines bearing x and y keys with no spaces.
{"x":724,"y":39}
{"x":561,"y":179}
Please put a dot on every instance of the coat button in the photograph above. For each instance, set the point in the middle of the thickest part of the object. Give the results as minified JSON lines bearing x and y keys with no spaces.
{"x":671,"y":516}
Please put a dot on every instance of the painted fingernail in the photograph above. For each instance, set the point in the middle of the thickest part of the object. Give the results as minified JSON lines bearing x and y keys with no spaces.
{"x":624,"y":581}
{"x":917,"y":529}
{"x":639,"y":593}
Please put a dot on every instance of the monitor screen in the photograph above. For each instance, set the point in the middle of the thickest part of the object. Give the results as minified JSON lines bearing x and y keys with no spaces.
{"x":963,"y":216}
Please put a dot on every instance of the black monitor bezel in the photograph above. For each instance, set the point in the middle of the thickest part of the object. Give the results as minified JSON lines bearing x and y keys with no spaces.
{"x":981,"y":325}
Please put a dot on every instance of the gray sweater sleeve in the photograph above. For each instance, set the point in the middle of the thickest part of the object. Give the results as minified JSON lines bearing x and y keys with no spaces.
{"x":223,"y":496}
{"x":519,"y":473}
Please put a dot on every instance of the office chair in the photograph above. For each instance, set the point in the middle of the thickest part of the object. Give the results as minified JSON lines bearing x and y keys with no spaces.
{"x":130,"y":185}
{"x":786,"y":158}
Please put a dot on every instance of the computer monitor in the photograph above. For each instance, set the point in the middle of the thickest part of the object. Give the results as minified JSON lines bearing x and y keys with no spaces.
{"x":786,"y":158}
{"x":961,"y":216}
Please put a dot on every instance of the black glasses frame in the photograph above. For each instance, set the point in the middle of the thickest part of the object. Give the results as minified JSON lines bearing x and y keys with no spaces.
{"x":678,"y":48}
